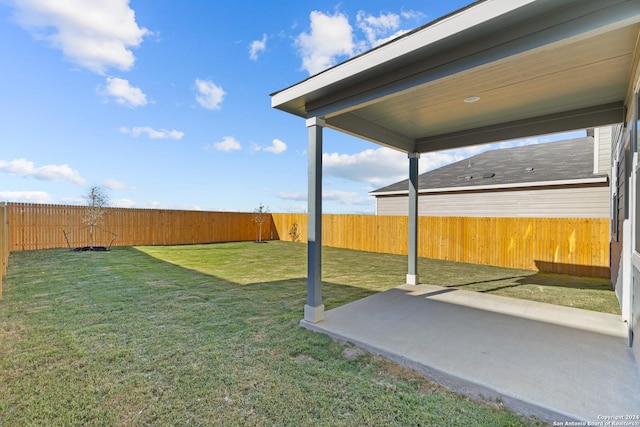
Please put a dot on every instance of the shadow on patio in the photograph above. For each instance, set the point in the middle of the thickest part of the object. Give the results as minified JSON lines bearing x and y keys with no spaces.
{"x":558,"y":363}
{"x":589,"y":293}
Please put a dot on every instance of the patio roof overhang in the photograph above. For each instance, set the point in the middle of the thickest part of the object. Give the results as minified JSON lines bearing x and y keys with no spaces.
{"x":533,"y":67}
{"x":537,"y":66}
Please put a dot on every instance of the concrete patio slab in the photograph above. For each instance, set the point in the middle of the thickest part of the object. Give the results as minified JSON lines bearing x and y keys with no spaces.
{"x":557,"y":363}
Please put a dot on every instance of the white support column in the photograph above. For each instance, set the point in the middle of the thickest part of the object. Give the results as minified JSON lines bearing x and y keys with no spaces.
{"x":412,"y":274}
{"x":314,"y":309}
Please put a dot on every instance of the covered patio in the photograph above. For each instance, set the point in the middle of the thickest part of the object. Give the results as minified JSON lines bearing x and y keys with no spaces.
{"x":492,"y":71}
{"x":557,"y":363}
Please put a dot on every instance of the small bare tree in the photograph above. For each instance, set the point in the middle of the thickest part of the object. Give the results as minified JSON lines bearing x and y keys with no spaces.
{"x":260,"y":216}
{"x":294,"y":232}
{"x":97,"y":202}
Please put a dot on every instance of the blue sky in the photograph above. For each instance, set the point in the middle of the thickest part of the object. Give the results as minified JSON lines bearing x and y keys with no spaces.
{"x":165,"y":104}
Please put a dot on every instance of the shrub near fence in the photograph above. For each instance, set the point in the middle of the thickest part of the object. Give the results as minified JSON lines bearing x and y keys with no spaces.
{"x":578,"y":246}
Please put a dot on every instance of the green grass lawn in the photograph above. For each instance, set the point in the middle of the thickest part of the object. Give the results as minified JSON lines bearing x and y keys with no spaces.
{"x":366,"y":272}
{"x":211,"y":337}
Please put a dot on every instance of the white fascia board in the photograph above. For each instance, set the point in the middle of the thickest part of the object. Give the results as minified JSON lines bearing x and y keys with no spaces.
{"x":439,"y":30}
{"x":596,"y":180}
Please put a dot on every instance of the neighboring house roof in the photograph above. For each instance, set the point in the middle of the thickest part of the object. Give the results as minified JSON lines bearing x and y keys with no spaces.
{"x":554,"y":163}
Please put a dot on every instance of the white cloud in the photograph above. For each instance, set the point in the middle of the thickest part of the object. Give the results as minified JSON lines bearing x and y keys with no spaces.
{"x":383,"y":166}
{"x":298,"y":197}
{"x":330,"y":38}
{"x":113,"y":184}
{"x":123,"y":92}
{"x":378,"y":29}
{"x":210,"y":96}
{"x":293,"y":208}
{"x":430,"y":161}
{"x":347,"y":198}
{"x":228,"y":143}
{"x":124,"y":203}
{"x":342,"y":197}
{"x":25,"y":196}
{"x":73,"y":201}
{"x":257,"y":46}
{"x":26,"y":168}
{"x":412,"y":15}
{"x":277,"y":146}
{"x":152,"y":133}
{"x":96,"y":34}
{"x":374,"y":166}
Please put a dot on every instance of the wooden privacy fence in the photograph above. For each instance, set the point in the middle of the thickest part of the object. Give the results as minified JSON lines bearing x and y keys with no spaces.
{"x":578,"y":246}
{"x":55,"y":226}
{"x":564,"y":245}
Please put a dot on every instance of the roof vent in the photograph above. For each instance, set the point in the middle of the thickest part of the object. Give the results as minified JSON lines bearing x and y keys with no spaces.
{"x":489,"y":175}
{"x":468,"y":177}
{"x":529,"y":169}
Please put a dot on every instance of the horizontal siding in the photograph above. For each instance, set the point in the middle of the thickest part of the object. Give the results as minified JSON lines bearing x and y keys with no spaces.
{"x":583,"y":202}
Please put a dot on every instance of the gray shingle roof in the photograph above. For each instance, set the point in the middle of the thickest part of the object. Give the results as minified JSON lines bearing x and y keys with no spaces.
{"x":554,"y":161}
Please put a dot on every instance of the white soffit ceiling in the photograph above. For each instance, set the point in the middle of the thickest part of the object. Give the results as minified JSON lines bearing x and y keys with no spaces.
{"x":591,"y":72}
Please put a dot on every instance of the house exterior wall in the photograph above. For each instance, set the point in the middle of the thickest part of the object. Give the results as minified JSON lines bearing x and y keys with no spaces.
{"x":619,"y":167}
{"x":565,"y":202}
{"x":625,"y":216}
